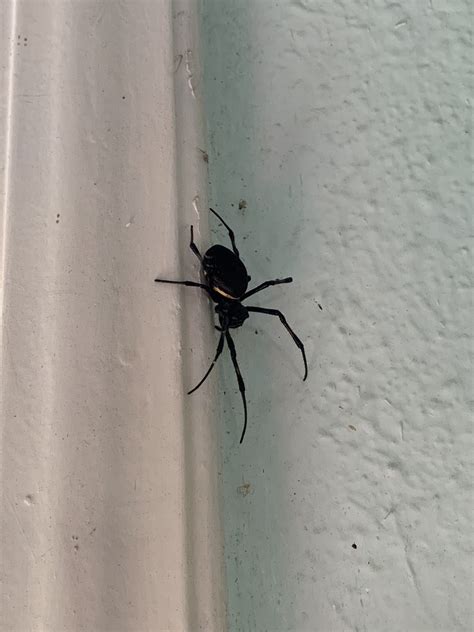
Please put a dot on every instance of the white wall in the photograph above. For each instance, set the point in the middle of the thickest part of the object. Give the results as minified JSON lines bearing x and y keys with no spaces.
{"x":345,"y":127}
{"x":108,"y":505}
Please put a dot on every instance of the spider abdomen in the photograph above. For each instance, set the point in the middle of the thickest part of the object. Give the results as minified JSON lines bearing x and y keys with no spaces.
{"x":225,"y":272}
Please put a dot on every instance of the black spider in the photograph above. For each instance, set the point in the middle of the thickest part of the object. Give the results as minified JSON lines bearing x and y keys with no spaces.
{"x":226,"y":284}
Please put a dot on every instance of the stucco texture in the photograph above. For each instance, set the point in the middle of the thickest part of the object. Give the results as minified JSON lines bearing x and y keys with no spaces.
{"x":339,"y":139}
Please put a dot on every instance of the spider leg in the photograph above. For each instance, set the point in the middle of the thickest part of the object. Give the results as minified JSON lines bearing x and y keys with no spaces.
{"x":187,"y":283}
{"x":262,"y":286}
{"x":240,"y":380}
{"x":193,"y":246}
{"x":296,"y":340}
{"x":220,"y":346}
{"x":229,"y":230}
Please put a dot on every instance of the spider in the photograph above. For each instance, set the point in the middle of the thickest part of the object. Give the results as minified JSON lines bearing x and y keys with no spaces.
{"x":226,"y":284}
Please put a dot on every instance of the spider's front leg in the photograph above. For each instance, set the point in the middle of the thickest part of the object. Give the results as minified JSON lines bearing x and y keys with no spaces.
{"x":240,"y":380}
{"x":284,"y":322}
{"x":220,"y":346}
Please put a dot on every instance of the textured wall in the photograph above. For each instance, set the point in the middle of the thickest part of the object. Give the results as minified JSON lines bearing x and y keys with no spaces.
{"x":345,"y":129}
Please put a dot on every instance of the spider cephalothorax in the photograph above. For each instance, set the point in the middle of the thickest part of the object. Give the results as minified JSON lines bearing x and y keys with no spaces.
{"x":226,"y":284}
{"x":232,"y":314}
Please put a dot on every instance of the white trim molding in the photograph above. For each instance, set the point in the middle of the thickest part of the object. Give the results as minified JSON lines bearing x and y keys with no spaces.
{"x":109,"y":517}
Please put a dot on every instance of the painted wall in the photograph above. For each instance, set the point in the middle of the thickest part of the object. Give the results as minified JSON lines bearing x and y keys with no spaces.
{"x":339,"y":137}
{"x":107,"y":480}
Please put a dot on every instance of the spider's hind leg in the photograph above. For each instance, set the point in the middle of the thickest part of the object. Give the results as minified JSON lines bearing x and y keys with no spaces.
{"x":187,"y":283}
{"x":264,"y":285}
{"x":229,"y":230}
{"x":193,"y":246}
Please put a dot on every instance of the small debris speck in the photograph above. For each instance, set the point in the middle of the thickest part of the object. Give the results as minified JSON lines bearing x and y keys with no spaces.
{"x":244,"y":489}
{"x":354,"y":546}
{"x":204,"y":154}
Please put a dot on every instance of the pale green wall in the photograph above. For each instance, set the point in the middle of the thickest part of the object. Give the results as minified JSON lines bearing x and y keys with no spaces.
{"x":345,"y":126}
{"x":267,"y":230}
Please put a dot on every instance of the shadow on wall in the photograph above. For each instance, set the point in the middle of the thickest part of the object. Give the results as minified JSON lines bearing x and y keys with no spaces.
{"x":258,"y":191}
{"x":333,"y":130}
